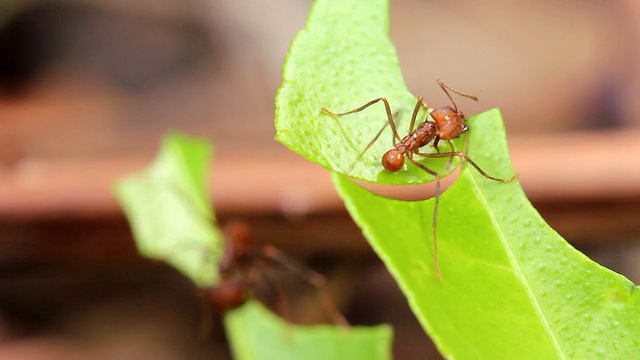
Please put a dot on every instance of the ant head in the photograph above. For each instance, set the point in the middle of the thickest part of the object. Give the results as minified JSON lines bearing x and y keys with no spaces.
{"x":450,"y":122}
{"x":237,"y":247}
{"x":393,"y":160}
{"x":237,"y":239}
{"x":226,"y":295}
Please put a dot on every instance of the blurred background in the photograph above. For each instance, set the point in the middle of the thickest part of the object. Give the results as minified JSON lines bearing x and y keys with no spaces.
{"x":88,"y":88}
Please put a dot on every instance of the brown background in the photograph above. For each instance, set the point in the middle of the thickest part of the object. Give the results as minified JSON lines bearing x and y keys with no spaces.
{"x":90,"y":87}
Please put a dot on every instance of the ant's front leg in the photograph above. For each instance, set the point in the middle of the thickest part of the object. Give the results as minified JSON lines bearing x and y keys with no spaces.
{"x":435,"y":146}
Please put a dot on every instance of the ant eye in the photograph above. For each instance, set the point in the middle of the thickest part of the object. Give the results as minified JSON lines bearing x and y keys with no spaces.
{"x":465,"y":128}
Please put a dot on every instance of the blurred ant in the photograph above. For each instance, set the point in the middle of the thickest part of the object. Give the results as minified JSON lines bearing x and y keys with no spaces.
{"x":240,"y":263}
{"x":241,"y":266}
{"x":448,"y":124}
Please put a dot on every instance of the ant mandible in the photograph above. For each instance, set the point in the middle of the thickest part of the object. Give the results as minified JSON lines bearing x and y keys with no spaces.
{"x":448,"y":124}
{"x":239,"y":263}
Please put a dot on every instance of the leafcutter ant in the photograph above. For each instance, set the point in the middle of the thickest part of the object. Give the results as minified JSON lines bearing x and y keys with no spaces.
{"x":240,"y":268}
{"x":447,"y":123}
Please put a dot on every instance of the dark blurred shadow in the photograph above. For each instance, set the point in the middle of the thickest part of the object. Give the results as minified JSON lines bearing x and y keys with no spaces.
{"x":132,"y":51}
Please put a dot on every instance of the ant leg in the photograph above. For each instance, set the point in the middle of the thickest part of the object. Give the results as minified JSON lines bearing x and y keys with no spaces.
{"x":434,"y":226}
{"x":394,"y":141}
{"x":386,"y":106}
{"x":375,"y":138}
{"x":434,"y":220}
{"x":419,"y":104}
{"x":310,"y":276}
{"x":478,"y":168}
{"x":483,"y":173}
{"x":410,"y":157}
{"x":435,"y":146}
{"x":390,"y":121}
{"x":452,"y":156}
{"x":435,"y":143}
{"x":282,"y":302}
{"x":467,"y":159}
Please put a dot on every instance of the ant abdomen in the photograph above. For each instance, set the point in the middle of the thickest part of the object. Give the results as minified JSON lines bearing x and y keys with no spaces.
{"x":393,"y":160}
{"x":227,"y":295}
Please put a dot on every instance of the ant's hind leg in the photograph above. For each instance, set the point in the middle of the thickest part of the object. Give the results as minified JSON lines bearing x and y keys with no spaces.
{"x":387,"y":108}
{"x":282,"y":302}
{"x":463,"y":154}
{"x":434,"y":219}
{"x":473,"y":163}
{"x":484,"y":173}
{"x":310,"y":276}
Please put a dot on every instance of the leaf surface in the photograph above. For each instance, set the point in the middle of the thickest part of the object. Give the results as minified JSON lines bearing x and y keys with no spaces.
{"x":511,"y":287}
{"x":168,"y":208}
{"x":169,"y":212}
{"x":340,"y":61}
{"x":256,"y":333}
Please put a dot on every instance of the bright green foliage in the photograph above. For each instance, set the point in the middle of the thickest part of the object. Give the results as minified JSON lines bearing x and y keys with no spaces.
{"x":340,"y":61}
{"x":169,"y":211}
{"x":256,"y":333}
{"x":511,"y":287}
{"x":172,"y":221}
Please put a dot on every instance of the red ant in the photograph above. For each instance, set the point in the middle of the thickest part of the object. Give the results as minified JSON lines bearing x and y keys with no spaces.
{"x":448,"y":124}
{"x":239,"y":264}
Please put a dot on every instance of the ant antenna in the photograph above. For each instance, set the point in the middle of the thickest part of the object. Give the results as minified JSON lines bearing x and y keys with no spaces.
{"x":446,"y":89}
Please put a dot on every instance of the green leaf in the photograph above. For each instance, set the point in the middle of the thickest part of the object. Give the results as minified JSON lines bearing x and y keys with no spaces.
{"x":340,"y":61}
{"x":169,"y":212}
{"x":256,"y":333}
{"x":511,"y":287}
{"x":168,"y":208}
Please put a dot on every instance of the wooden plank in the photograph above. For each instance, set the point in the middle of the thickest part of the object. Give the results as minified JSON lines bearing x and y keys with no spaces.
{"x":582,"y":166}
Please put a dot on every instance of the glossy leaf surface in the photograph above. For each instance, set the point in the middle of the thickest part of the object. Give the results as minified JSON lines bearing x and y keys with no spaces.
{"x":340,"y":61}
{"x":511,"y":287}
{"x":257,"y":334}
{"x":169,"y":212}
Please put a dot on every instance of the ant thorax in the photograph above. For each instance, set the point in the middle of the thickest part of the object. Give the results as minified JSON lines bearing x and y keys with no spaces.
{"x":425,"y":133}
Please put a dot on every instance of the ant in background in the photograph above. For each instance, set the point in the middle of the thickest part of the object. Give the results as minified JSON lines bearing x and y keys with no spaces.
{"x":447,"y":124}
{"x":240,"y":267}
